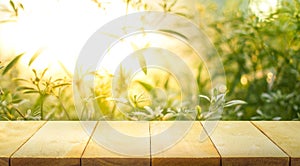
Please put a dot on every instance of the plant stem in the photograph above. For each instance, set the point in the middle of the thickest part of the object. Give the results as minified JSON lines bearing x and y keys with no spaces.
{"x":113,"y":112}
{"x":127,"y":5}
{"x":19,"y":112}
{"x":63,"y":107}
{"x":42,"y":107}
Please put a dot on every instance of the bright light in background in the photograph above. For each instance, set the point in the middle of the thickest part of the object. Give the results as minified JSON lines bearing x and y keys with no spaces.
{"x":263,"y":8}
{"x":244,"y":80}
{"x":60,"y":28}
{"x":136,"y":42}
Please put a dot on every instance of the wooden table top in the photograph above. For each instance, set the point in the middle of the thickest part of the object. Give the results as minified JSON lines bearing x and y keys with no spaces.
{"x":149,"y":143}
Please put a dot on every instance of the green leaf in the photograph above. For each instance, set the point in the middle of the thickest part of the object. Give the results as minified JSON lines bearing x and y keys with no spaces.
{"x":34,"y":71}
{"x":16,"y":101}
{"x":43,"y":73}
{"x":266,"y":96}
{"x":181,"y":14}
{"x":142,"y":63}
{"x":35,"y":55}
{"x":12,"y":63}
{"x":166,"y":84}
{"x":149,"y":110}
{"x":7,"y":21}
{"x":256,"y":118}
{"x":60,"y":85}
{"x":12,"y":4}
{"x":277,"y":118}
{"x":173,"y":4}
{"x":25,"y":88}
{"x":9,"y":98}
{"x":174,"y":33}
{"x":205,"y":97}
{"x":21,"y":6}
{"x":30,"y":91}
{"x":147,"y":86}
{"x":215,"y":92}
{"x":169,"y":116}
{"x":21,"y":79}
{"x":259,"y":112}
{"x":234,"y":102}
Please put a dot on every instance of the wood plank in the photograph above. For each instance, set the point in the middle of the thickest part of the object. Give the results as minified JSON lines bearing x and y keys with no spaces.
{"x":119,"y":143}
{"x":189,"y":150}
{"x":241,"y":143}
{"x":56,"y":143}
{"x":285,"y":134}
{"x":13,"y":135}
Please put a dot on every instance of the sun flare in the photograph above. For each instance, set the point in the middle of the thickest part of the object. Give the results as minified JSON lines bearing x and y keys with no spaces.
{"x":263,"y":8}
{"x":59,"y":29}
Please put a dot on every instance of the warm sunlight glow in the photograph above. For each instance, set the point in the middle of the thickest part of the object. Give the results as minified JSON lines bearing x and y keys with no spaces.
{"x":244,"y":80}
{"x":130,"y":44}
{"x":263,"y":8}
{"x":270,"y":77}
{"x":59,"y":28}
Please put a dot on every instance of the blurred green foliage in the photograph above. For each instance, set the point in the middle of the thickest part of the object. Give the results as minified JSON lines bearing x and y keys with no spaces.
{"x":261,"y":58}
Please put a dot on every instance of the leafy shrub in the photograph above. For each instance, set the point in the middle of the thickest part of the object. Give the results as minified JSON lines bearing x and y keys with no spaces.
{"x":261,"y":59}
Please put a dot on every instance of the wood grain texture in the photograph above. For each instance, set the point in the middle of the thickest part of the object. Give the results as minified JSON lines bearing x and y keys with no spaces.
{"x":129,"y":143}
{"x":188,"y":150}
{"x":295,"y":161}
{"x":119,"y":143}
{"x":13,"y":135}
{"x":284,"y":134}
{"x":241,"y":143}
{"x":56,"y":143}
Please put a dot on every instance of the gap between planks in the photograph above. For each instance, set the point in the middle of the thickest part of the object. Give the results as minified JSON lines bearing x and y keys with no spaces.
{"x":286,"y":134}
{"x":88,"y":141}
{"x":241,"y":143}
{"x":289,"y":157}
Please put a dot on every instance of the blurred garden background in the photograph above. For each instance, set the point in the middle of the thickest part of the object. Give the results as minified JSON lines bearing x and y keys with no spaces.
{"x":258,"y":42}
